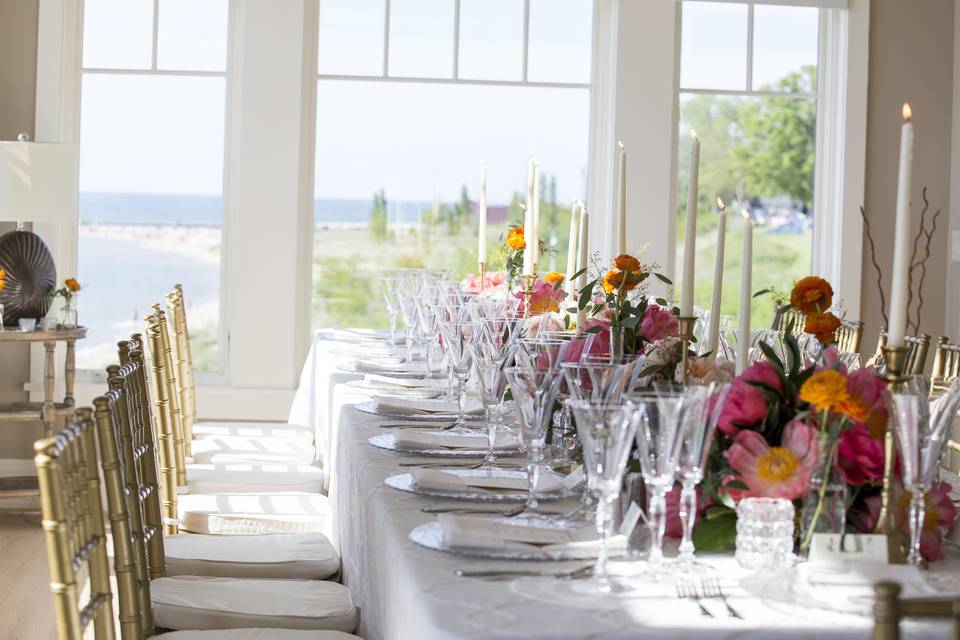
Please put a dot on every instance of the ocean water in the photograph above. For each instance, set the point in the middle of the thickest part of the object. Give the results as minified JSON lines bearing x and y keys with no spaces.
{"x":207,"y":210}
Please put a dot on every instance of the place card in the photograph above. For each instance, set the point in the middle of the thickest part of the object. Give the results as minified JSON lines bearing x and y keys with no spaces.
{"x":836,"y":549}
{"x":574,"y":478}
{"x":630,"y":519}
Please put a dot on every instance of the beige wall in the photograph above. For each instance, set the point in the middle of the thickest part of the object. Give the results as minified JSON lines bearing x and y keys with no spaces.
{"x":911,"y":59}
{"x":18,"y":79}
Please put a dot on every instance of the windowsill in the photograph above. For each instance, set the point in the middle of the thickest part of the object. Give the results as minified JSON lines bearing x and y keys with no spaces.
{"x":214,"y":401}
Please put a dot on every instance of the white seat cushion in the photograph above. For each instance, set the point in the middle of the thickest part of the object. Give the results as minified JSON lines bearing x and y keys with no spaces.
{"x":290,"y":556}
{"x":254,"y":477}
{"x":252,"y":430}
{"x":229,"y":449}
{"x":260,"y":634}
{"x":252,"y":513}
{"x":195,"y":602}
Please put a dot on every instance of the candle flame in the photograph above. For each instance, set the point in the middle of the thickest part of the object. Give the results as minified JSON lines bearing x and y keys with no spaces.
{"x":907,"y":112}
{"x":693,"y":134}
{"x":621,"y":146}
{"x":720,"y":204}
{"x":745,"y":214}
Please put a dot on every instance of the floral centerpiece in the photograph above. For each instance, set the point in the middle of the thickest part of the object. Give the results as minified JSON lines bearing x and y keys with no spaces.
{"x":68,"y":313}
{"x":810,"y":432}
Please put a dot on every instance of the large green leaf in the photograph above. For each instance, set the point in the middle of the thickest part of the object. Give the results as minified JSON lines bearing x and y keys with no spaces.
{"x":716,"y":534}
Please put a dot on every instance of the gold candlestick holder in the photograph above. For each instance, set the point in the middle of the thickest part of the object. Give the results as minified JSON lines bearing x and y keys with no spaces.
{"x":483,"y":274}
{"x":895,"y":358}
{"x":528,"y":282}
{"x":686,"y":333}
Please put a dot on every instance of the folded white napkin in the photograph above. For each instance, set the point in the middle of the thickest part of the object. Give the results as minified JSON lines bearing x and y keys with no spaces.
{"x":418,"y":439}
{"x":407,"y":383}
{"x":487,"y":533}
{"x":424,"y":406}
{"x":493,"y":483}
{"x":376,"y":366}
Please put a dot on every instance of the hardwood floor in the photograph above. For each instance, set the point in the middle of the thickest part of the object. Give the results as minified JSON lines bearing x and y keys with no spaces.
{"x":26,"y":607}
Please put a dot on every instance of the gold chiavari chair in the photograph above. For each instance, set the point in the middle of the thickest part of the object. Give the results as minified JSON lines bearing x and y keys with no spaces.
{"x":195,"y":601}
{"x":946,"y":369}
{"x":164,"y":354}
{"x":889,"y":609}
{"x":74,"y":530}
{"x":849,"y":336}
{"x":207,"y":430}
{"x":288,"y":555}
{"x":916,"y":360}
{"x":787,"y":319}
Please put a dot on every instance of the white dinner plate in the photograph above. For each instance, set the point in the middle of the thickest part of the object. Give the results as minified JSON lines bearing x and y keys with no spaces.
{"x":371,"y":407}
{"x":430,"y":535}
{"x":388,"y":441}
{"x":404,"y":482}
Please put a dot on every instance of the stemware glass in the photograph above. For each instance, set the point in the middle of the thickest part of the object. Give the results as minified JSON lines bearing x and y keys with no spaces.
{"x":457,"y":337}
{"x":922,"y":431}
{"x":388,"y":286}
{"x":606,"y":431}
{"x":407,"y":299}
{"x":493,"y":352}
{"x":660,"y":421}
{"x":534,"y":391}
{"x":705,"y":405}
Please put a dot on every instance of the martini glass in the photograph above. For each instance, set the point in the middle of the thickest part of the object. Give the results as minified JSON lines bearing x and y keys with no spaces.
{"x":457,"y":337}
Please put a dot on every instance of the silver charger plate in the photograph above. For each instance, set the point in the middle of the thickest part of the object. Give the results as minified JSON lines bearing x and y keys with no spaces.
{"x":388,"y":441}
{"x":430,"y":535}
{"x":392,"y":391}
{"x":371,"y":407}
{"x":404,"y":482}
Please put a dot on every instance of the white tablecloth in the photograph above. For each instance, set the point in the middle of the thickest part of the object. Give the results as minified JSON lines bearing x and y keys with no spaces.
{"x":407,"y":592}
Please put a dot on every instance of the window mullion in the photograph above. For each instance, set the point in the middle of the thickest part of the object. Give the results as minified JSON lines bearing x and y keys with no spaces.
{"x":156,"y":31}
{"x":456,"y":39}
{"x":750,"y":47}
{"x":386,"y":37}
{"x":526,"y":37}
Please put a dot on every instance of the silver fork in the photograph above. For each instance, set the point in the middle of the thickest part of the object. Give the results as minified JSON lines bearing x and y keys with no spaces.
{"x":468,"y":510}
{"x":711,"y":589}
{"x":688,"y":590}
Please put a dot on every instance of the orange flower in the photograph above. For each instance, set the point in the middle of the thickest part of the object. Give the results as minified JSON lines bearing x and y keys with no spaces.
{"x":825,"y":389}
{"x":554,"y":277}
{"x":614,"y":279}
{"x":811,"y":295}
{"x":626,"y":262}
{"x":515,"y":239}
{"x":3,"y":278}
{"x":853,"y":407}
{"x":72,"y":285}
{"x":822,"y":325}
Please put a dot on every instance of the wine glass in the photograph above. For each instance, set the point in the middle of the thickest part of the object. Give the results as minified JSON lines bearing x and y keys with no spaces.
{"x":457,"y":337}
{"x":606,"y":431}
{"x":407,"y":299}
{"x":660,"y":422}
{"x":922,"y":431}
{"x":493,"y":352}
{"x":388,"y":286}
{"x":705,"y":405}
{"x":534,"y":391}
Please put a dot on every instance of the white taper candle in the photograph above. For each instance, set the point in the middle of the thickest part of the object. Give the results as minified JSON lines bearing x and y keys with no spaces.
{"x":713,"y":343}
{"x":746,"y":283}
{"x":897,"y":329}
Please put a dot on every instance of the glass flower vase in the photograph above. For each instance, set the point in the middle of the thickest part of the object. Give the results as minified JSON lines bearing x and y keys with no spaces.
{"x":825,"y":506}
{"x":68,"y":313}
{"x":616,"y":343}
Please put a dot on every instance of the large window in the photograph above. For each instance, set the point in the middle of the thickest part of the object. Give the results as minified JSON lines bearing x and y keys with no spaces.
{"x":151,"y":169}
{"x":748,"y":87}
{"x":412,"y":96}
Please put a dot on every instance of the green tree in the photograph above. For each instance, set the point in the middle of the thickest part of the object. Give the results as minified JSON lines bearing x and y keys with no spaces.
{"x":379,"y":223}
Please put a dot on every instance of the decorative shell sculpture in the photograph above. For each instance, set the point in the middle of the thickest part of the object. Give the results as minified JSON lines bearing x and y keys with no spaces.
{"x":30,"y":276}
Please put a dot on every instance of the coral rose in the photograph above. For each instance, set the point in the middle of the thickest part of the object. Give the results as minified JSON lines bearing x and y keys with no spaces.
{"x":811,"y":295}
{"x":554,"y":277}
{"x":613,"y":280}
{"x":775,"y":472}
{"x":72,"y":284}
{"x":824,"y":389}
{"x":658,"y":323}
{"x":515,"y":239}
{"x":626,"y":262}
{"x":823,"y":326}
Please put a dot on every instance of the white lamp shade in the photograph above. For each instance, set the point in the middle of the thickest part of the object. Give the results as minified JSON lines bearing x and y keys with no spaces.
{"x":38,"y":181}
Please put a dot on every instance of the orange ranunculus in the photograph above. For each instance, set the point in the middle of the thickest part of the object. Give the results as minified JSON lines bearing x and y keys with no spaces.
{"x":822,"y":325}
{"x":3,"y":278}
{"x":825,"y":390}
{"x":72,"y":285}
{"x":626,"y":262}
{"x":811,"y":295}
{"x":515,"y":239}
{"x":554,"y":277}
{"x":613,"y":280}
{"x":853,"y":407}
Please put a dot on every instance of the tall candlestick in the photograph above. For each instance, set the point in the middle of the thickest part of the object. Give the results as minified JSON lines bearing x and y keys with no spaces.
{"x":534,"y":242}
{"x":746,"y":283}
{"x":714,"y":334}
{"x":897,"y":327}
{"x":572,"y":248}
{"x":622,"y":207}
{"x":690,"y":235}
{"x":582,"y":258}
{"x":482,"y":242}
{"x":528,"y":222}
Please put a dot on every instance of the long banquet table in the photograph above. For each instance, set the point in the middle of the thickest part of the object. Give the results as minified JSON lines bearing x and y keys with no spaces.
{"x":405,"y":591}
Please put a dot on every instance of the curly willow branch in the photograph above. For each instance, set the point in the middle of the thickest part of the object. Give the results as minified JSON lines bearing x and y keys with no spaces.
{"x":914,"y":263}
{"x":873,"y":260}
{"x":923,"y":267}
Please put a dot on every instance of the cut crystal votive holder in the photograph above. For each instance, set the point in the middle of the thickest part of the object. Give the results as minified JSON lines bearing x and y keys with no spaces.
{"x":764,"y":533}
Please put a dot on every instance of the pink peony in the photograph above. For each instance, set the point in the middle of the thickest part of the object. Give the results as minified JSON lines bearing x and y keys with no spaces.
{"x":745,"y":406}
{"x":704,"y":370}
{"x":490,"y":280}
{"x":873,"y":390}
{"x":775,"y":472}
{"x":545,"y":298}
{"x":859,"y":457}
{"x":600,"y":346}
{"x":939,"y":516}
{"x":658,"y":323}
{"x":765,"y":373}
